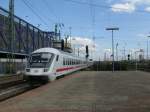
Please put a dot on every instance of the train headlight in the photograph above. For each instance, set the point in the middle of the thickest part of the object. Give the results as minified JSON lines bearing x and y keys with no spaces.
{"x":45,"y":69}
{"x":27,"y":70}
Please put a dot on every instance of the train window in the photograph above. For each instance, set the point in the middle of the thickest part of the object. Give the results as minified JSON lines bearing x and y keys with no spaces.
{"x":70,"y":61}
{"x":63,"y":61}
{"x":57,"y":58}
{"x":67,"y":61}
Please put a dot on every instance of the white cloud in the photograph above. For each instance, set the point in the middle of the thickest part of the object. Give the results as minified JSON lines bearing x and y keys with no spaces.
{"x":80,"y":42}
{"x":147,"y":9}
{"x":138,"y":2}
{"x":107,"y":50}
{"x":143,"y":35}
{"x":130,"y":5}
{"x":123,"y":7}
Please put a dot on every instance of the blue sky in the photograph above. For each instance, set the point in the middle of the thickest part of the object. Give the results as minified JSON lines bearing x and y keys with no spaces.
{"x":131,"y":16}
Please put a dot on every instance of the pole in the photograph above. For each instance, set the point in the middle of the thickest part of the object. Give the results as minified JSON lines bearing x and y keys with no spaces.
{"x":117,"y":52}
{"x":124,"y":52}
{"x":147,"y":49}
{"x":11,"y":35}
{"x":113,"y":67}
{"x":136,"y":60}
{"x":70,"y":28}
{"x":78,"y":52}
{"x":11,"y":25}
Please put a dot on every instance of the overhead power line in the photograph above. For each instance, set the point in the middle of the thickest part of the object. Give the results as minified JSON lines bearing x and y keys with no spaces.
{"x":34,"y":12}
{"x":44,"y":16}
{"x":102,"y":6}
{"x":49,"y":9}
{"x":92,"y":11}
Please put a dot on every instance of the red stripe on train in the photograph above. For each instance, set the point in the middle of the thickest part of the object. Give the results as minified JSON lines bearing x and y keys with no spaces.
{"x":66,"y":68}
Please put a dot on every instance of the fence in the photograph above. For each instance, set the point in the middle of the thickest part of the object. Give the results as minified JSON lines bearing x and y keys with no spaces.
{"x":121,"y":65}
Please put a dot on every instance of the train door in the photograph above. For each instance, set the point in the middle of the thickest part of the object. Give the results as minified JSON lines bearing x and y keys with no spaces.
{"x":57,"y":63}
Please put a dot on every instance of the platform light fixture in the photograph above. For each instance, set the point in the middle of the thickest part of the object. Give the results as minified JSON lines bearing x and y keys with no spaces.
{"x":112,"y":29}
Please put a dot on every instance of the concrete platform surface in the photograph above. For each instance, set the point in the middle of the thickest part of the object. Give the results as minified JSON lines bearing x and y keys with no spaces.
{"x":87,"y":91}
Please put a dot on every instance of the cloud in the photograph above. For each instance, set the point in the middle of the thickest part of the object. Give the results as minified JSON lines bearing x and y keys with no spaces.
{"x":80,"y":42}
{"x":129,"y":5}
{"x":107,"y":50}
{"x":147,"y":9}
{"x":123,"y":7}
{"x":138,"y":2}
{"x":143,"y":35}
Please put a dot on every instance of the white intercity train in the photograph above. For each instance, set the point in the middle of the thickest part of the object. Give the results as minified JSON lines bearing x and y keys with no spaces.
{"x":49,"y":63}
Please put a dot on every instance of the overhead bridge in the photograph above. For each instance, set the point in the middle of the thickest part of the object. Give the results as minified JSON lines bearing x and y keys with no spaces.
{"x":27,"y":37}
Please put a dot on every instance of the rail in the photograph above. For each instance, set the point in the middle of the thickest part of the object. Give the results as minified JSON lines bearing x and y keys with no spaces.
{"x":10,"y":78}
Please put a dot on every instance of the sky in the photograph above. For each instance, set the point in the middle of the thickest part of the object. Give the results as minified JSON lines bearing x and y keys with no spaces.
{"x":90,"y":18}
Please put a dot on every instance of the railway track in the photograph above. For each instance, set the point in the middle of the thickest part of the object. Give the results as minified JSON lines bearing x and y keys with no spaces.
{"x":13,"y":90}
{"x":13,"y":85}
{"x":10,"y":78}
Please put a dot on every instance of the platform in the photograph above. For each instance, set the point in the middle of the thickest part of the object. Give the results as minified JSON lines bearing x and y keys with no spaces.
{"x":87,"y":92}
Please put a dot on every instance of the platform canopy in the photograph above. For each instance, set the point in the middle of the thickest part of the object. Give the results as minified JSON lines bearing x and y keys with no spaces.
{"x":4,"y":54}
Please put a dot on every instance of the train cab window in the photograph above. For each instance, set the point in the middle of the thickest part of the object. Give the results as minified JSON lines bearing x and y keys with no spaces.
{"x":57,"y":58}
{"x":40,"y":60}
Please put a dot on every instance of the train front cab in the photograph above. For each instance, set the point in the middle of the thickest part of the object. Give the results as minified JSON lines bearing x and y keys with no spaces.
{"x":40,"y":67}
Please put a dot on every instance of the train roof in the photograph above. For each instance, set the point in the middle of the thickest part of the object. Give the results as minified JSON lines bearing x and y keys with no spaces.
{"x":55,"y":51}
{"x":50,"y":50}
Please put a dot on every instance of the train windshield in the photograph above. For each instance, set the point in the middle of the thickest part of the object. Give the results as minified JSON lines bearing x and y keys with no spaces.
{"x":40,"y":60}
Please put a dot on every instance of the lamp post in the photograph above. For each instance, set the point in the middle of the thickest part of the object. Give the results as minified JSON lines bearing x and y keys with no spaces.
{"x":112,"y":30}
